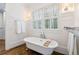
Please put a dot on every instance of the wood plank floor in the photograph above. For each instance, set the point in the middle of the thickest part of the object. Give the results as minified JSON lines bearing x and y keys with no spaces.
{"x":2,"y":45}
{"x":21,"y":50}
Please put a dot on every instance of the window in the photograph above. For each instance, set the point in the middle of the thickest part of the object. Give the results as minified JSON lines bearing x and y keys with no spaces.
{"x":20,"y":27}
{"x":47,"y":23}
{"x":54,"y":24}
{"x":46,"y":17}
{"x":23,"y":27}
{"x":39,"y":24}
{"x":34,"y":24}
{"x":51,"y":23}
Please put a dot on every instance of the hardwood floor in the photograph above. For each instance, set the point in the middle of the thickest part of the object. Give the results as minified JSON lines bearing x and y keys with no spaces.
{"x":2,"y":45}
{"x":21,"y":50}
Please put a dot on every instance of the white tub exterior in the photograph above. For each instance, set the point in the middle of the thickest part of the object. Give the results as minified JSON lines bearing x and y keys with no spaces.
{"x":36,"y":44}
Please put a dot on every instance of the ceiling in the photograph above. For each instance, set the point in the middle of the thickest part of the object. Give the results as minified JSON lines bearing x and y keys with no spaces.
{"x":33,"y":6}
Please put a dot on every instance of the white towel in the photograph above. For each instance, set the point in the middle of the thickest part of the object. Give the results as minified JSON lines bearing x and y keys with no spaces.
{"x":72,"y":44}
{"x":75,"y":46}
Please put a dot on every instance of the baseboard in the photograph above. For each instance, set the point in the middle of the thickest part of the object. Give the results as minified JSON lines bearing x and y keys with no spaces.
{"x":2,"y":38}
{"x":62,"y":50}
{"x":14,"y":45}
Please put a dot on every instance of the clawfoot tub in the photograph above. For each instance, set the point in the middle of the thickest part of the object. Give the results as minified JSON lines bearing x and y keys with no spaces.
{"x":37,"y":44}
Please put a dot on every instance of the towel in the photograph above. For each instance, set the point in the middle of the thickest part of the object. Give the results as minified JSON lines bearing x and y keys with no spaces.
{"x":75,"y":46}
{"x":46,"y":44}
{"x":72,"y":44}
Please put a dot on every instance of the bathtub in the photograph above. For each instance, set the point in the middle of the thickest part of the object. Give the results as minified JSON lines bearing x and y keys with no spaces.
{"x":37,"y":44}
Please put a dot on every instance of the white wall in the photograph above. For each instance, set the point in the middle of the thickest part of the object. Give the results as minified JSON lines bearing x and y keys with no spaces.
{"x":60,"y":35}
{"x":77,"y":21}
{"x":1,"y":21}
{"x":76,"y":15}
{"x":2,"y":33}
{"x":14,"y":11}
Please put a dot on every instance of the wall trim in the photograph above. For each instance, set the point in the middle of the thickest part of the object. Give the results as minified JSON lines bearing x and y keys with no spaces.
{"x":14,"y":45}
{"x":62,"y":50}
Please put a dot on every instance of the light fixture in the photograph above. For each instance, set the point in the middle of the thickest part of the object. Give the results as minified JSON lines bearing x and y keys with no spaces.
{"x":27,"y":16}
{"x":67,"y":7}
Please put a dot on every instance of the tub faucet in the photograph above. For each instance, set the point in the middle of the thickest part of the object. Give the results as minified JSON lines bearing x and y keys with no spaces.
{"x":42,"y":35}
